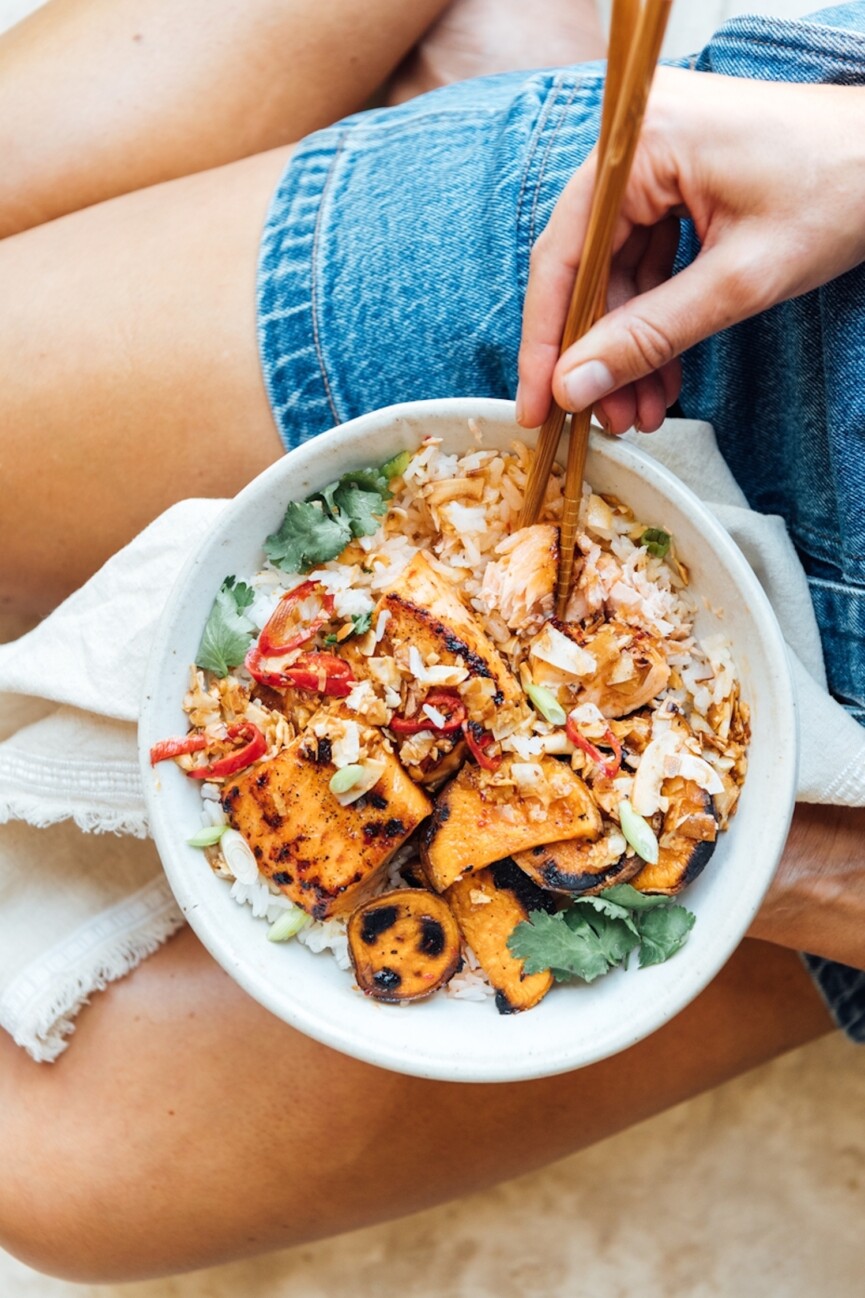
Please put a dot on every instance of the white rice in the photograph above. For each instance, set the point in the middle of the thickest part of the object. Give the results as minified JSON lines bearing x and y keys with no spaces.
{"x":614,"y":573}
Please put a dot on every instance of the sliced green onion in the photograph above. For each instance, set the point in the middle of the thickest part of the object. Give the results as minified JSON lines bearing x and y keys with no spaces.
{"x":396,"y":466}
{"x":208,"y":836}
{"x":638,"y":832}
{"x":656,"y":541}
{"x":288,"y":925}
{"x":346,"y":778}
{"x":547,"y":704}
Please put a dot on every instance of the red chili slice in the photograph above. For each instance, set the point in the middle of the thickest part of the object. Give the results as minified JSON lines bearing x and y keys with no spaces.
{"x":166,"y":748}
{"x":257,"y":666}
{"x":479,"y":739}
{"x":322,"y":672}
{"x":296,"y":618}
{"x":449,"y":704}
{"x":253,"y":745}
{"x":609,"y":768}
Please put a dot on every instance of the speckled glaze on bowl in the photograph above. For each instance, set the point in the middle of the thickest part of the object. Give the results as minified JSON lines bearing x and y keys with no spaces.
{"x":442,"y":1038}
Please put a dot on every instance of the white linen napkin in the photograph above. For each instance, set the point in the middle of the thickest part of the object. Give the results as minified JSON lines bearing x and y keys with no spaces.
{"x":78,"y":909}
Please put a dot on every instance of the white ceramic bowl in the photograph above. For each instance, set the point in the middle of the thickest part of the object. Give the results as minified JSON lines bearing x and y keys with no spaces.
{"x":443,"y":1038}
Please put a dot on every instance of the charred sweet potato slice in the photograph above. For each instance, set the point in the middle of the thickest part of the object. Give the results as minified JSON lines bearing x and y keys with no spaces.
{"x":577,"y":868}
{"x":474,"y":824}
{"x":427,"y":612}
{"x":403,"y":945}
{"x":488,"y":905}
{"x":686,"y":842}
{"x":323,"y":856}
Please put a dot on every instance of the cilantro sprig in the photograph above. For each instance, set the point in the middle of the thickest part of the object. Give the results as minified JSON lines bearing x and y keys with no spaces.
{"x":228,"y":632}
{"x":597,"y":934}
{"x":320,"y":527}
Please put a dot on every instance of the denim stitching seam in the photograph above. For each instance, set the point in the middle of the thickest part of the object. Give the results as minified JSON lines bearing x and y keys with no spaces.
{"x":313,"y":286}
{"x":546,"y":154}
{"x":530,"y":158}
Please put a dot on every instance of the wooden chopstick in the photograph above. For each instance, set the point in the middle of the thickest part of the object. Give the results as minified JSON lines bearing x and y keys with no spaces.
{"x":607,"y":201}
{"x":623,"y":27}
{"x":623,"y":118}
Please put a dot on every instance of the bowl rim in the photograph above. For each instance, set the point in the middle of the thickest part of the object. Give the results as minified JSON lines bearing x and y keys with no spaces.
{"x":303,"y":1017}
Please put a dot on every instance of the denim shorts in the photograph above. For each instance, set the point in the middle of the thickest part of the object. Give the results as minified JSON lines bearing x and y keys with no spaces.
{"x":394,"y":263}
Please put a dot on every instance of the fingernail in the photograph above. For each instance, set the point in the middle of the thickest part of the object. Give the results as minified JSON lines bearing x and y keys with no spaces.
{"x":519,"y":400}
{"x":587,"y":384}
{"x":601,"y":419}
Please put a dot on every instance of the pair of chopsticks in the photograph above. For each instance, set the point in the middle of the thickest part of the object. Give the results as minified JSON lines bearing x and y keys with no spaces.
{"x":636,"y":33}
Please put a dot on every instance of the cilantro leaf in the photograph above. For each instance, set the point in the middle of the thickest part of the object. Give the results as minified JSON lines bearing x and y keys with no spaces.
{"x":570,"y":945}
{"x":320,"y":527}
{"x":616,"y":936}
{"x":326,"y":496}
{"x":623,"y":895}
{"x":228,"y":632}
{"x":607,"y":906}
{"x":307,"y":536}
{"x":596,"y":934}
{"x":374,"y":480}
{"x":663,"y":932}
{"x":361,"y":509}
{"x":656,"y":541}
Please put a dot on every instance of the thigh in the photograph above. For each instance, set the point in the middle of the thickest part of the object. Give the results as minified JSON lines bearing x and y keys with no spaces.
{"x":101,"y":97}
{"x":189,"y":1127}
{"x":129,"y":371}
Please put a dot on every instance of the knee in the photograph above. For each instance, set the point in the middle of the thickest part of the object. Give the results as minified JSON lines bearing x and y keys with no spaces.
{"x":55,"y":1215}
{"x":43,"y":1222}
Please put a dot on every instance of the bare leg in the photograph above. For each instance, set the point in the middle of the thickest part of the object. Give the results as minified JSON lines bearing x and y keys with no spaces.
{"x":477,"y":37}
{"x":129,"y":373}
{"x":188,"y":1127}
{"x":100,"y":97}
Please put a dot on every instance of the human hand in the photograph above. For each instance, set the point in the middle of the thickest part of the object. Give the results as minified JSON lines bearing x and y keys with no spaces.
{"x":773,"y":176}
{"x":817,"y":902}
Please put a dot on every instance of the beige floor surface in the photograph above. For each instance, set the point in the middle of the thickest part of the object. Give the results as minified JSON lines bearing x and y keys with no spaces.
{"x":756,"y":1190}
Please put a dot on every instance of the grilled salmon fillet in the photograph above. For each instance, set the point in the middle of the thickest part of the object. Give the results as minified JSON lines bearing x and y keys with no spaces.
{"x":427,"y":612}
{"x":324,"y":856}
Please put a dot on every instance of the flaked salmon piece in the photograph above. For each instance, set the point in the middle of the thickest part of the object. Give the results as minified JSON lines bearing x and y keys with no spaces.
{"x":617,"y":692}
{"x":520,"y":584}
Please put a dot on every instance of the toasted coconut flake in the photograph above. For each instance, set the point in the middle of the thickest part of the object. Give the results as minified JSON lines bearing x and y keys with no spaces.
{"x":560,"y":652}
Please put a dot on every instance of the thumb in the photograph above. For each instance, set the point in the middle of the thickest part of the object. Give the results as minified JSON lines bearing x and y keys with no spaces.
{"x":655,"y":327}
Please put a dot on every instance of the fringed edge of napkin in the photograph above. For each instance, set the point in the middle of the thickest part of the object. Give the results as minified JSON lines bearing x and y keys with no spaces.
{"x":40,"y":813}
{"x":98,"y":800}
{"x":38,"y":1007}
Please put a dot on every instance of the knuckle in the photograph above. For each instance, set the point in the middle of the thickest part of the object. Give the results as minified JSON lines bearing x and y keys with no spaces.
{"x":739,"y":286}
{"x":749,"y":282}
{"x":651,"y":345}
